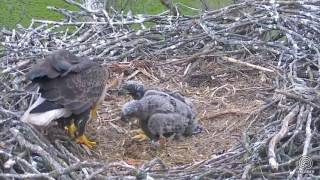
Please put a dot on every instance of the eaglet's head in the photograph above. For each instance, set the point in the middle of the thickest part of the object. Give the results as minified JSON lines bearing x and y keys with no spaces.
{"x":133,"y":88}
{"x":130,"y":109}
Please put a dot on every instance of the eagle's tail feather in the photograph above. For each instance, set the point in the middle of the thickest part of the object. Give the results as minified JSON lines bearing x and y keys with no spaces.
{"x":42,"y":112}
{"x":46,"y":106}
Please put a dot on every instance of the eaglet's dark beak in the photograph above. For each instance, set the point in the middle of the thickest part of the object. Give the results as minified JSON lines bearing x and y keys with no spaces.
{"x":125,"y":119}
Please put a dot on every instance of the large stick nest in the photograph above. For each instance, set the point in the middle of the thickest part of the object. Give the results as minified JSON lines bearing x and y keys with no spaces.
{"x":275,"y":37}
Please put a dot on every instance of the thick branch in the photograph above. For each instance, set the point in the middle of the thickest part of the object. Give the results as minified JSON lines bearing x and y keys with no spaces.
{"x":278,"y":136}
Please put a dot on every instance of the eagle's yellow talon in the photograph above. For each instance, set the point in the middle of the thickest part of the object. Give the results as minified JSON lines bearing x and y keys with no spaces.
{"x":137,"y":131}
{"x":71,"y":130}
{"x":94,"y":113}
{"x":84,"y":140}
{"x":140,"y":137}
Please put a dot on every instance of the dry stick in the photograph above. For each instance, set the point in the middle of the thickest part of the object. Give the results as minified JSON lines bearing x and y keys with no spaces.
{"x":18,"y":66}
{"x":246,"y":171}
{"x":152,"y":163}
{"x":53,"y":174}
{"x":58,"y":172}
{"x":80,"y":23}
{"x":151,"y":76}
{"x":170,"y":6}
{"x":276,"y":138}
{"x":229,"y":59}
{"x":220,"y":113}
{"x":133,"y":74}
{"x":254,"y":115}
{"x":267,"y":166}
{"x":15,"y":114}
{"x":193,"y":57}
{"x":81,"y":6}
{"x":95,"y":173}
{"x":26,"y":165}
{"x":308,"y":139}
{"x":36,"y":149}
{"x":297,"y":97}
{"x":302,"y":117}
{"x":61,"y":148}
{"x":26,"y":176}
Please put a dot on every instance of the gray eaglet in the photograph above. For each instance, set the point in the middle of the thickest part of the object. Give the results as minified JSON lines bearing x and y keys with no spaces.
{"x":160,"y":114}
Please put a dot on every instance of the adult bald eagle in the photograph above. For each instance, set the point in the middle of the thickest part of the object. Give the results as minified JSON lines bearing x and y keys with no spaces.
{"x":71,"y":88}
{"x":161,"y":115}
{"x":137,"y":90}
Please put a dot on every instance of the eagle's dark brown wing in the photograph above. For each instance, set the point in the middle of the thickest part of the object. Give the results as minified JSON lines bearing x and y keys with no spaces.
{"x":73,"y":82}
{"x":53,"y":65}
{"x":77,"y":92}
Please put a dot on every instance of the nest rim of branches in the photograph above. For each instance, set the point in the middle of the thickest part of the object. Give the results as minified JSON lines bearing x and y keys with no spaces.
{"x":277,"y":37}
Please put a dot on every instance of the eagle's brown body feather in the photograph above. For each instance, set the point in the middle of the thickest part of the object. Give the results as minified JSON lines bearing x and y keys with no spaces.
{"x":71,"y":84}
{"x":75,"y":91}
